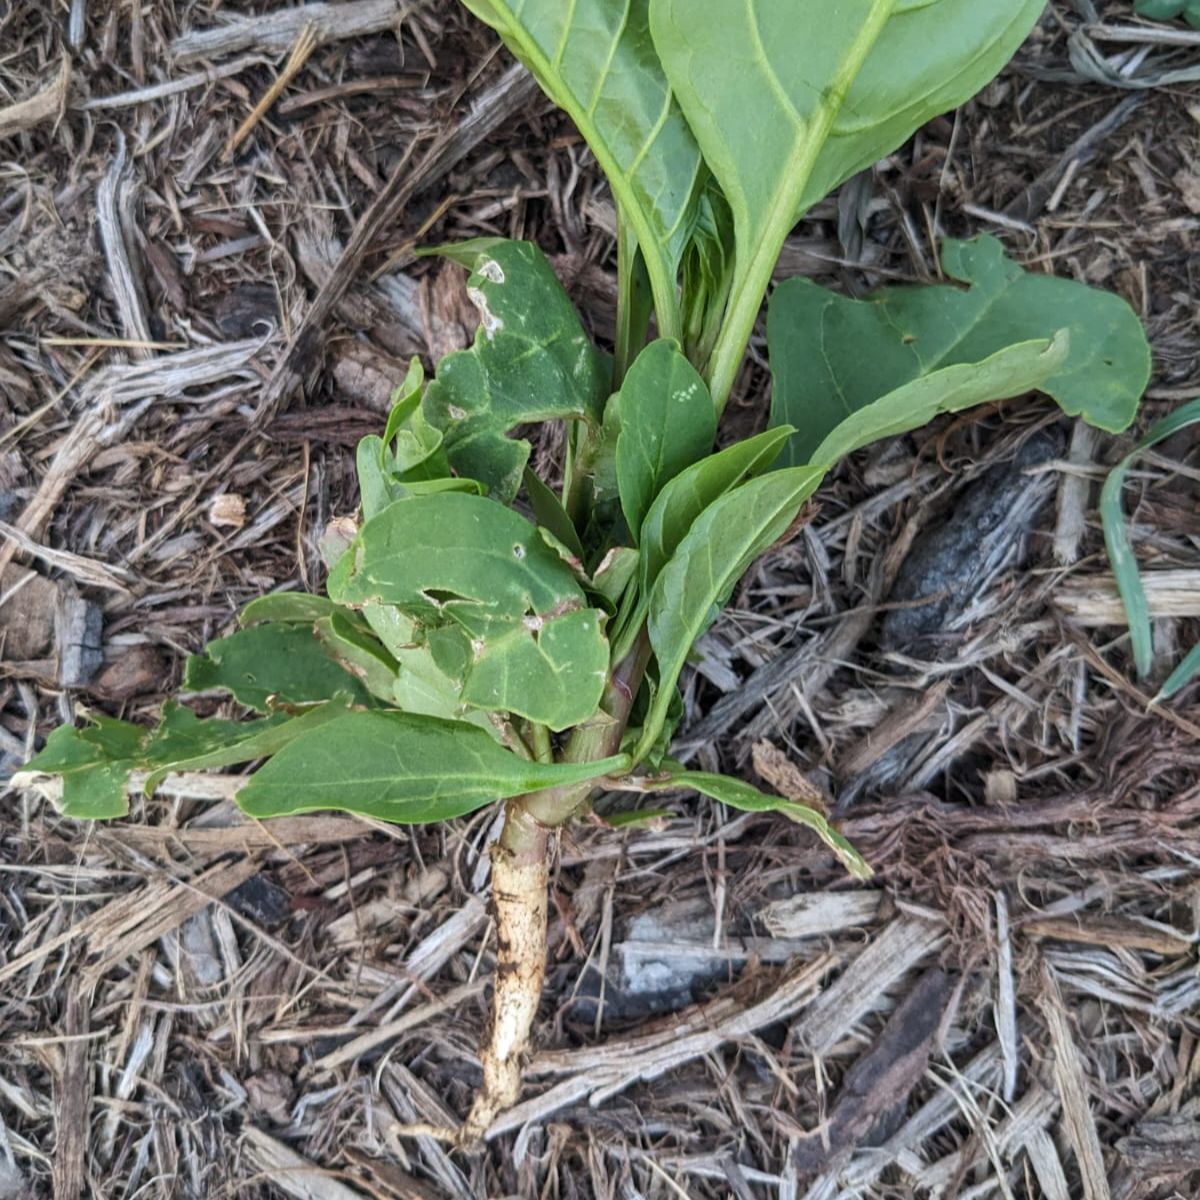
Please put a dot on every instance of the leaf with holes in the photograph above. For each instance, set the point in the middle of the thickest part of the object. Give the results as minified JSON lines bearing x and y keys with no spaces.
{"x":531,"y":361}
{"x":499,"y":609}
{"x":834,"y":359}
{"x":595,"y":59}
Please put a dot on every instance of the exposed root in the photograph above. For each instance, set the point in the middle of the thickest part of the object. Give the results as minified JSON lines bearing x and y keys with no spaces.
{"x":519,"y":897}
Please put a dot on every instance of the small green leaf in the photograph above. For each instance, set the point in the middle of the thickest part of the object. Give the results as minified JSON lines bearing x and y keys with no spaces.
{"x":1116,"y":536}
{"x":511,"y":618}
{"x":531,"y":361}
{"x":94,"y":762}
{"x":401,"y":768}
{"x":616,"y":569}
{"x":667,"y":423}
{"x":287,"y":608}
{"x":271,"y":664}
{"x":832,"y":356}
{"x":741,"y":795}
{"x":683,"y":499}
{"x":1183,"y":674}
{"x":406,"y":400}
{"x":550,"y":514}
{"x":699,"y":577}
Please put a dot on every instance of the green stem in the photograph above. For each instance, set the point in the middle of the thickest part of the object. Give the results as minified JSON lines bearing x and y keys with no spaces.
{"x":596,"y":738}
{"x":542,"y":749}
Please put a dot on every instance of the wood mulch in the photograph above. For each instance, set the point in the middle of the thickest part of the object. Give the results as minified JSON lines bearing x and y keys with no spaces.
{"x":207,"y":291}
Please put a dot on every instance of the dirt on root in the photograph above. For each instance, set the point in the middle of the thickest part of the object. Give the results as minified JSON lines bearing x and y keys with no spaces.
{"x":207,"y":292}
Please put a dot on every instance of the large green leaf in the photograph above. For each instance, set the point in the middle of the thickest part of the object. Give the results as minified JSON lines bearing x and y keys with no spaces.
{"x":741,"y":795}
{"x":269,"y":664}
{"x":691,"y":589}
{"x":498,"y":607}
{"x":832,"y":356}
{"x":787,"y":100}
{"x":667,"y":423}
{"x":595,"y":59}
{"x":531,"y":361}
{"x":402,"y":768}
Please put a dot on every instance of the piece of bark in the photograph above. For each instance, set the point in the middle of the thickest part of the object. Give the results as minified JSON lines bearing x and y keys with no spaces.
{"x":951,"y":561}
{"x":131,"y":671}
{"x":874,"y":1093}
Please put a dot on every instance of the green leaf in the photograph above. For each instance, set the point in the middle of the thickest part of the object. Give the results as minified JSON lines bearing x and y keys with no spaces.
{"x":1116,"y":536}
{"x":786,"y":105}
{"x":94,"y":762}
{"x":531,"y":361}
{"x":1159,"y":10}
{"x":596,"y":60}
{"x":401,"y":768}
{"x":1183,"y":674}
{"x":678,"y":505}
{"x":699,"y":577}
{"x":741,"y":795}
{"x":1012,"y":371}
{"x":350,"y":643}
{"x":509,"y":614}
{"x":270,"y":664}
{"x":406,"y":400}
{"x":186,"y":742}
{"x":288,"y":608}
{"x":550,"y":514}
{"x":667,"y":423}
{"x":832,"y":356}
{"x":616,"y":569}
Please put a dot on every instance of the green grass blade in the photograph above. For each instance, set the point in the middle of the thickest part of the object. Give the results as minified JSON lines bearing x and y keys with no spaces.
{"x":1119,"y":544}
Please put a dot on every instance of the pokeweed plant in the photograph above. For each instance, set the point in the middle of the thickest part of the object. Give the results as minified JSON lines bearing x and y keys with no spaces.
{"x":485,"y":637}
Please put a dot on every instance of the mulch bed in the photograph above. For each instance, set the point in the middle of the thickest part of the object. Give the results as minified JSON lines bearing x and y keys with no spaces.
{"x":208,"y":290}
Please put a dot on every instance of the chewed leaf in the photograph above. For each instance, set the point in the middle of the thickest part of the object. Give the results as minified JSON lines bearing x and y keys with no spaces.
{"x":402,"y":768}
{"x":271,"y":663}
{"x":501,"y":611}
{"x":531,"y":361}
{"x":94,"y":763}
{"x":741,"y":795}
{"x":824,"y":372}
{"x":596,"y":60}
